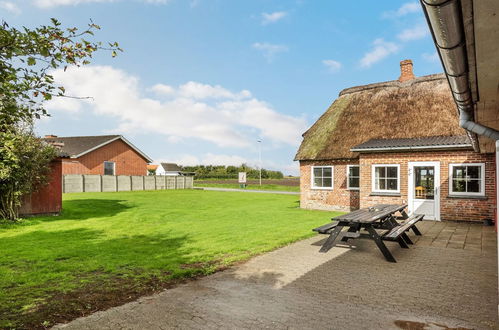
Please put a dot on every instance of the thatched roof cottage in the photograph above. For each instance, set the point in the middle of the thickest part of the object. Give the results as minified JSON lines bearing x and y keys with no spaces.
{"x":396,"y":142}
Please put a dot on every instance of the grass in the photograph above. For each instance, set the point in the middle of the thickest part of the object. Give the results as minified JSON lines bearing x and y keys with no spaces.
{"x":109,"y":248}
{"x":274,"y":187}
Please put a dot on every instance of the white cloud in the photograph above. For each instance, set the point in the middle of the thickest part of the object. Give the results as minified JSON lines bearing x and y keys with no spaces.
{"x":157,"y":2}
{"x":332,"y":65}
{"x":55,"y":3}
{"x":268,"y":18}
{"x":432,"y":58}
{"x":200,"y":91}
{"x":417,"y":32}
{"x":162,"y":89}
{"x":224,"y":118}
{"x":405,"y":9}
{"x":10,"y":7}
{"x":195,"y":90}
{"x":381,"y":50}
{"x":269,"y":50}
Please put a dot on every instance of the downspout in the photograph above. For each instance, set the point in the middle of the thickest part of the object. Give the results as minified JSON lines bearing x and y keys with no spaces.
{"x":446,"y":25}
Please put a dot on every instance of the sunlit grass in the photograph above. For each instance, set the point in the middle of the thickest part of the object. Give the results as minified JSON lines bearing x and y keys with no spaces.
{"x":138,"y":235}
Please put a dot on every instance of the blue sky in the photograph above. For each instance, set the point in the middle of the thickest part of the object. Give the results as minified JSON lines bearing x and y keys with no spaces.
{"x":201,"y":81}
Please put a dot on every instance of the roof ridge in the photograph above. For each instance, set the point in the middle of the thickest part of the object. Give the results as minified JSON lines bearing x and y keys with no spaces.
{"x":79,"y":136}
{"x":392,"y":83}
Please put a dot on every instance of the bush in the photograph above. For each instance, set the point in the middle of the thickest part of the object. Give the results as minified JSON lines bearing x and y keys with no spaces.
{"x":230,"y":172}
{"x":24,"y":167}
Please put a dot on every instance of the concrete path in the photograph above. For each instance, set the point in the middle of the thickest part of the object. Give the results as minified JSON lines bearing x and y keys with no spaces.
{"x":439,"y":283}
{"x":252,"y":191}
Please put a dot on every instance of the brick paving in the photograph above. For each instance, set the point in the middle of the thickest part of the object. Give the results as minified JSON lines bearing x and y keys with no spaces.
{"x":447,"y":280}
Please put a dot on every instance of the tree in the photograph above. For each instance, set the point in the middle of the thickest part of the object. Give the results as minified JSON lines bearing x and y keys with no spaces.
{"x":26,"y":58}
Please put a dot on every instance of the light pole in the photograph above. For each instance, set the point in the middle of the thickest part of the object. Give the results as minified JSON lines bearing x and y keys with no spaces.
{"x":260,"y":158}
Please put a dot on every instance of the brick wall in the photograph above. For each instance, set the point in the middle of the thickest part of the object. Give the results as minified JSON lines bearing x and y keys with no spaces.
{"x":339,"y":198}
{"x":128,"y":161}
{"x":451,"y":208}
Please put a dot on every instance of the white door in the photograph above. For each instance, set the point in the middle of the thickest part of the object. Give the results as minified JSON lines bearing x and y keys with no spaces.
{"x":424,"y":189}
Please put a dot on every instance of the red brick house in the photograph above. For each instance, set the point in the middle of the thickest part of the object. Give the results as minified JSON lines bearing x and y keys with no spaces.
{"x":397,"y":142}
{"x":104,"y":154}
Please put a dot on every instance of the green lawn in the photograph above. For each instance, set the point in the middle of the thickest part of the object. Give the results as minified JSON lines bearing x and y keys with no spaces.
{"x":274,"y":187}
{"x":109,"y":248}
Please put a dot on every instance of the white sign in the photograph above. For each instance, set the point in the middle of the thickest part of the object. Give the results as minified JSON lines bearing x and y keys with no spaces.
{"x":242,"y":177}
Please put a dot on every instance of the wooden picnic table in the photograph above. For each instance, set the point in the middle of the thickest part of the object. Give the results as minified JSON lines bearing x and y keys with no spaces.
{"x":379,"y":217}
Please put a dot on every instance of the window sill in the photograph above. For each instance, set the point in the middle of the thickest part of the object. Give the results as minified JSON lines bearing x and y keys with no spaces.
{"x":354,"y":189}
{"x":322,"y":188}
{"x":468,"y":197}
{"x":396,"y":194}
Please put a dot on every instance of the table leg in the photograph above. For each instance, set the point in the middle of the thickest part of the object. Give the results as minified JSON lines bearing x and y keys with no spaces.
{"x":379,"y":242}
{"x":403,"y":240}
{"x":416,"y":230}
{"x":330,"y":240}
{"x":353,"y":229}
{"x":406,"y":238}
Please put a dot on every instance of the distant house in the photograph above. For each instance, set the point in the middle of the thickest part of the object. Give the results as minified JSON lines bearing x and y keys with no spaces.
{"x":151,"y":169}
{"x":171,"y":169}
{"x":397,"y":142}
{"x":104,"y":154}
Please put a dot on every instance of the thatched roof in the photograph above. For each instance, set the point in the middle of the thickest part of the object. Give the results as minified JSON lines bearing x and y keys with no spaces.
{"x":420,"y":107}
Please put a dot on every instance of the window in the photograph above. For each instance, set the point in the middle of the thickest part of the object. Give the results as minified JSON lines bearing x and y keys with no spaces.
{"x":467,"y":179}
{"x":386,"y":178}
{"x":353,"y":177}
{"x":109,"y":168}
{"x":322,"y":177}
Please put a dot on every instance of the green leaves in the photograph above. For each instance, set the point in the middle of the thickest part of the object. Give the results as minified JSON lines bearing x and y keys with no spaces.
{"x":26,"y":58}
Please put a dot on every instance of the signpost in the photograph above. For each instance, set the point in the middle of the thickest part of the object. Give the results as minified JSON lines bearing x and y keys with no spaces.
{"x":242,"y":179}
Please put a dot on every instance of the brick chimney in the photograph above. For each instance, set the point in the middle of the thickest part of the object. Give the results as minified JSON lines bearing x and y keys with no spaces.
{"x":406,"y":71}
{"x":50,"y":136}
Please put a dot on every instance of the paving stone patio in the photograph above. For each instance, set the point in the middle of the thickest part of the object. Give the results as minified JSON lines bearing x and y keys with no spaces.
{"x":447,"y":280}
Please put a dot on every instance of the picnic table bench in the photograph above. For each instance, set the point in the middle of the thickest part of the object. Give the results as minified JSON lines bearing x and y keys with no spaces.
{"x":379,"y":217}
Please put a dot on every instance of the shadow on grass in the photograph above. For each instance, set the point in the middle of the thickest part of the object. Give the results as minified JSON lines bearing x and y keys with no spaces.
{"x":71,"y":273}
{"x":82,"y":209}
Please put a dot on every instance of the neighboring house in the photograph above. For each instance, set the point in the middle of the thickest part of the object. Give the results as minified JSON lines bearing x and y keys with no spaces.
{"x":171,"y":169}
{"x":105,"y":155}
{"x":151,"y":169}
{"x":397,"y":142}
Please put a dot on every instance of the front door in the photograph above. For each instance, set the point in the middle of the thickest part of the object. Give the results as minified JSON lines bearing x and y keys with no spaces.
{"x":424,"y":188}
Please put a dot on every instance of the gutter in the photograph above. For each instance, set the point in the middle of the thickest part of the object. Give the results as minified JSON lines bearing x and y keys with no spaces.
{"x":445,"y":21}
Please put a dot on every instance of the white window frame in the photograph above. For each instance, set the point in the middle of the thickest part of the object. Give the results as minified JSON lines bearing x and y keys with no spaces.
{"x":482,"y":180}
{"x":312,"y":185}
{"x":114,"y":167}
{"x":373,"y":179}
{"x":348,"y":177}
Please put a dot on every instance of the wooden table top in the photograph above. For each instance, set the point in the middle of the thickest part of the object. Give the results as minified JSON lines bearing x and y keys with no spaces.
{"x":370,"y":215}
